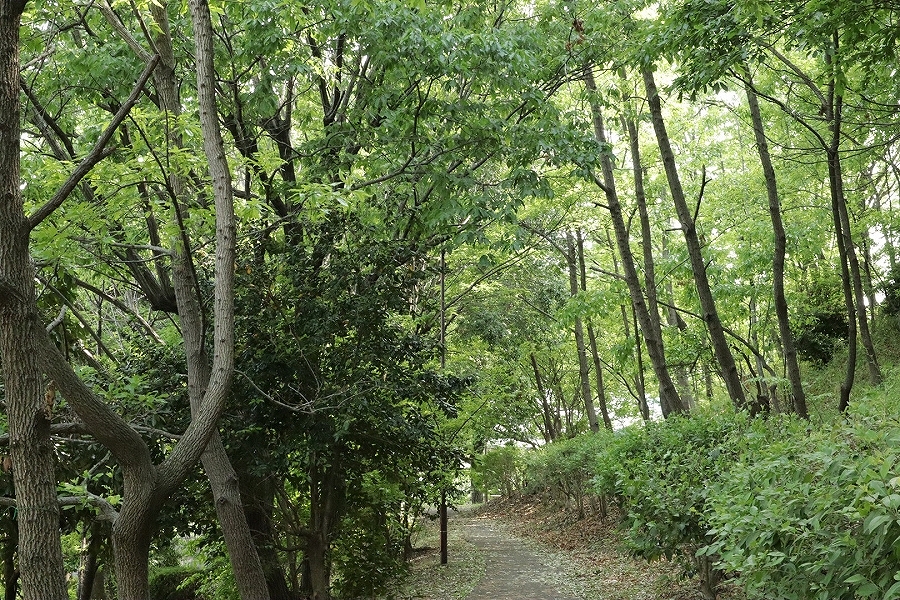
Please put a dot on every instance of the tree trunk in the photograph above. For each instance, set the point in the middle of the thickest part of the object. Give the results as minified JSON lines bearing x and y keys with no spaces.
{"x":29,"y":404}
{"x":695,"y":253}
{"x":242,"y":553}
{"x":640,"y":388}
{"x":131,"y":537}
{"x":90,"y":565}
{"x":549,"y":432}
{"x":259,"y":505}
{"x":318,"y":568}
{"x":583,"y":369}
{"x":592,"y":339}
{"x":675,"y":321}
{"x":669,"y":396}
{"x":598,"y":373}
{"x":640,"y":198}
{"x":326,"y":504}
{"x":798,"y":395}
{"x":836,"y":185}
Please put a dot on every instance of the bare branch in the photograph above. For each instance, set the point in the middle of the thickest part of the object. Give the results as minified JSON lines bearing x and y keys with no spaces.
{"x":58,"y":320}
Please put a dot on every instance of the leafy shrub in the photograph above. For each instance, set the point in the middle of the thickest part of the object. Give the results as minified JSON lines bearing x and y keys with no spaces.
{"x":813,"y":516}
{"x":564,"y":470}
{"x":820,"y":320}
{"x":369,"y":551}
{"x":660,"y":474}
{"x":174,"y":583}
{"x":499,"y":469}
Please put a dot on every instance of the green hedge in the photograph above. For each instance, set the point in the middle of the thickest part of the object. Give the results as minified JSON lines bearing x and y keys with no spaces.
{"x":813,"y":516}
{"x":174,"y":583}
{"x":788,"y":510}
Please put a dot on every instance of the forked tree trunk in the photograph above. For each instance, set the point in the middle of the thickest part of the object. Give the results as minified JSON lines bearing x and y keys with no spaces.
{"x":647,"y":247}
{"x":698,"y":266}
{"x":835,"y":113}
{"x":223,"y":480}
{"x":669,"y":397}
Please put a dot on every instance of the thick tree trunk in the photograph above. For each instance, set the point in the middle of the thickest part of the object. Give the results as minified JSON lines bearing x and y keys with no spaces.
{"x":318,"y":568}
{"x":131,"y":537}
{"x":29,"y":403}
{"x":695,"y":253}
{"x":583,"y":369}
{"x":669,"y":397}
{"x":798,"y":395}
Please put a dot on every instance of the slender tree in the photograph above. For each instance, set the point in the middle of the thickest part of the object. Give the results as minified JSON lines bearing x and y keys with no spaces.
{"x":670,"y":400}
{"x":711,"y":317}
{"x":778,"y":256}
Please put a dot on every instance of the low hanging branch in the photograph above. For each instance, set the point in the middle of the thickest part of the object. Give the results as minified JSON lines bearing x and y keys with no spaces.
{"x":107,"y":510}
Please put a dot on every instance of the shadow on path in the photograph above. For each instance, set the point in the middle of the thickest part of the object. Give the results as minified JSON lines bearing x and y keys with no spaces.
{"x":513,"y":569}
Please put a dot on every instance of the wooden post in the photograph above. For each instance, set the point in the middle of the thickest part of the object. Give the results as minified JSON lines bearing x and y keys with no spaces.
{"x":443,"y":528}
{"x":443,"y":509}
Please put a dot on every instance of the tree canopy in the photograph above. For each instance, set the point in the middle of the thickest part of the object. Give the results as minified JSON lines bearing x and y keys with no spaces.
{"x":325,"y":256}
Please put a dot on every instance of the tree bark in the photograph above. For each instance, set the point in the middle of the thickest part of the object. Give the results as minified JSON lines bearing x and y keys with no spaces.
{"x":550,"y":433}
{"x":242,"y":553}
{"x":839,"y":201}
{"x":592,"y":339}
{"x":598,"y":373}
{"x":647,"y":246}
{"x":583,"y":369}
{"x":695,"y":253}
{"x":792,"y":365}
{"x":87,"y":575}
{"x":669,"y":397}
{"x":29,"y":403}
{"x":259,"y":505}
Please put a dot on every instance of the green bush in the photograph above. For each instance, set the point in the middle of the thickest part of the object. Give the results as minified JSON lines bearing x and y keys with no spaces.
{"x":813,"y":516}
{"x":564,"y":470}
{"x":659,"y":474}
{"x":662,"y":472}
{"x":174,"y":583}
{"x":500,"y":470}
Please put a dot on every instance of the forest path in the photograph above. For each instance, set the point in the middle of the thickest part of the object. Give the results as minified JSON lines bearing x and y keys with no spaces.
{"x":515,"y":569}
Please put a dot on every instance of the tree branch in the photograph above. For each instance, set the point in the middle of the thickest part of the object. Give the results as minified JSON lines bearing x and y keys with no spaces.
{"x":98,"y":153}
{"x":107,"y":511}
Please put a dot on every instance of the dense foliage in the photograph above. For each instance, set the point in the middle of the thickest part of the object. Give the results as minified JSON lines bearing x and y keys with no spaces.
{"x":272,"y":273}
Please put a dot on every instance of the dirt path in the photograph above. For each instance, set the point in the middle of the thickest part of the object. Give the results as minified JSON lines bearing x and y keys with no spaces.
{"x":514,"y":569}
